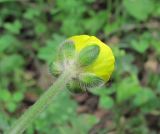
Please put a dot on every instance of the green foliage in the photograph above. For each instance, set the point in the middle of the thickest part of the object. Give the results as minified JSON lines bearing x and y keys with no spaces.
{"x":125,"y":92}
{"x":96,"y":22}
{"x":48,"y":52}
{"x":11,"y":101}
{"x":144,"y":96}
{"x":106,"y":102}
{"x":140,"y":9}
{"x":63,"y":119}
{"x":7,"y":64}
{"x":13,"y":27}
{"x":142,"y":43}
{"x":8,"y":43}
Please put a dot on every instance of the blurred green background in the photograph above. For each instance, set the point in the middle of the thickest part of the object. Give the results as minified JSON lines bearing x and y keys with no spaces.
{"x":30,"y":32}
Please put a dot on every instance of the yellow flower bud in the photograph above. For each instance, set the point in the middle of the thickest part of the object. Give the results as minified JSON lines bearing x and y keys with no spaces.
{"x":103,"y":66}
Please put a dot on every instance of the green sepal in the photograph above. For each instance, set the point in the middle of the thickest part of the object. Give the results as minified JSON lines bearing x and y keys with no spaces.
{"x":67,"y":50}
{"x":88,"y":55}
{"x":90,"y":80}
{"x":55,"y":68}
{"x":74,"y":86}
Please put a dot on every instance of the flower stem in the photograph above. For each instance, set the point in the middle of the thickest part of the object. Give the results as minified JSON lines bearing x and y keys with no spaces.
{"x":29,"y":116}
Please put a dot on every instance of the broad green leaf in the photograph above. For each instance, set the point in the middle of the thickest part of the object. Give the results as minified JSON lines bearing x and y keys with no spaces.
{"x":18,"y":96}
{"x":139,"y":9}
{"x":13,"y":27}
{"x":90,"y":24}
{"x":5,"y":95}
{"x":11,"y":106}
{"x":127,"y":88}
{"x":101,"y":91}
{"x":106,"y":102}
{"x":112,"y":28}
{"x":40,"y":28}
{"x":140,"y":46}
{"x":7,"y":42}
{"x":144,"y":96}
{"x":142,"y":43}
{"x":31,"y":13}
{"x":11,"y":63}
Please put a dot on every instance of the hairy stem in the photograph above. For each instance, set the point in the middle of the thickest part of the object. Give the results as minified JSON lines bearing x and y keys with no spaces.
{"x":29,"y":116}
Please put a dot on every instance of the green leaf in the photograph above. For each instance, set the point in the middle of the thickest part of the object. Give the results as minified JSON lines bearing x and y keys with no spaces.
{"x":11,"y":106}
{"x":90,"y":24}
{"x":140,"y":46}
{"x":142,"y":43}
{"x":68,"y":27}
{"x":7,"y":42}
{"x":48,"y":52}
{"x":139,"y":9}
{"x":157,"y":9}
{"x":144,"y":97}
{"x":113,"y":27}
{"x":40,"y":28}
{"x":85,"y":122}
{"x":101,"y":91}
{"x":106,"y":102}
{"x":127,"y":88}
{"x":11,"y":63}
{"x":5,"y":95}
{"x":88,"y":55}
{"x":13,"y":27}
{"x":31,"y":13}
{"x":17,"y":97}
{"x":57,"y":115}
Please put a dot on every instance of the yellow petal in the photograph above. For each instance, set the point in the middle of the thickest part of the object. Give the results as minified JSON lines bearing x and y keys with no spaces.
{"x":104,"y":64}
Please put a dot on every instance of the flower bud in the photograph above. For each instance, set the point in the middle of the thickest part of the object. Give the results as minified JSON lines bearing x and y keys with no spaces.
{"x":92,"y":62}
